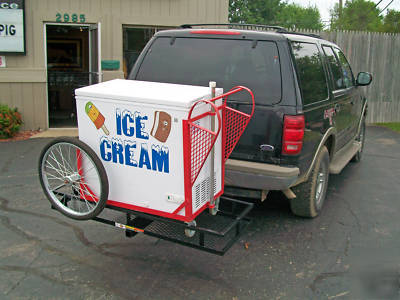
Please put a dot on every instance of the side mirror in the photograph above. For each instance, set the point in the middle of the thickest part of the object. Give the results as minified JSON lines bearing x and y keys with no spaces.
{"x":364,"y":78}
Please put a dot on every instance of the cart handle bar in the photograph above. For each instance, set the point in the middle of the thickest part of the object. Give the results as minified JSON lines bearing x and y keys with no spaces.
{"x":234,"y":90}
{"x":215,"y":108}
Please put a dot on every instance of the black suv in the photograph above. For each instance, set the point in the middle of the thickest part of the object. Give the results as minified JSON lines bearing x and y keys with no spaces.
{"x":309,"y":119}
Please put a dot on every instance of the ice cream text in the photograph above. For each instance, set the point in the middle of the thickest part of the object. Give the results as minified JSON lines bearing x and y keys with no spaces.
{"x":134,"y":153}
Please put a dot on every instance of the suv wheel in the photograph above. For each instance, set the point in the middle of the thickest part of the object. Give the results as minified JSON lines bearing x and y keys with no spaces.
{"x":360,"y":138}
{"x":310,"y":195}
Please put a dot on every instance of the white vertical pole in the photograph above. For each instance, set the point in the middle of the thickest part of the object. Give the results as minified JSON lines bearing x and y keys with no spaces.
{"x":212,"y":85}
{"x":91,"y":71}
{"x":99,"y":52}
{"x":47,"y":76}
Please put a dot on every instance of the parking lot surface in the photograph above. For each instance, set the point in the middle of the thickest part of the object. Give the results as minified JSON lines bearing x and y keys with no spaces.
{"x":351,"y":251}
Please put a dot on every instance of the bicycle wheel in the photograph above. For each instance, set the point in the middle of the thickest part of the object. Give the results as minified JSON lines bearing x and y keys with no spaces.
{"x":73,"y":178}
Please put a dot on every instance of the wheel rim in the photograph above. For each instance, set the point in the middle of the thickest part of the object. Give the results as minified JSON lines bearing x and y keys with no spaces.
{"x":189,"y":232}
{"x":71,"y":179}
{"x":214,"y":210}
{"x":320,"y":187}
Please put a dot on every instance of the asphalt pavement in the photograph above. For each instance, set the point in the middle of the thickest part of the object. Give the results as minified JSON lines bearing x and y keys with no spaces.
{"x":351,"y":251}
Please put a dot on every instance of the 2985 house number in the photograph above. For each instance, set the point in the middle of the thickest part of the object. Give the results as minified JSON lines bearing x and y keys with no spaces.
{"x":74,"y":18}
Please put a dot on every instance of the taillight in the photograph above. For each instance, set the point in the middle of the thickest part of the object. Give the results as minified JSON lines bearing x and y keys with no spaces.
{"x":293,"y":133}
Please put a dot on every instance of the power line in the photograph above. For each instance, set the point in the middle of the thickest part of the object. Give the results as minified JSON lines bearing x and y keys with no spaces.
{"x":386,"y":7}
{"x":378,"y":3}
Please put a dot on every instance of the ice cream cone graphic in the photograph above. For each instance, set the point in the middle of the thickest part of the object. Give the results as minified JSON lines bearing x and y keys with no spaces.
{"x":96,"y":117}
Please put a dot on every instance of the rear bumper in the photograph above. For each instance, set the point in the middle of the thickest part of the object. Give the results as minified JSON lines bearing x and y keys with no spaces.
{"x":260,"y":176}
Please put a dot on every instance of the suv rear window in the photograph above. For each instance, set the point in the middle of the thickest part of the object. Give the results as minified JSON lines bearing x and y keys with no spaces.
{"x":196,"y":61}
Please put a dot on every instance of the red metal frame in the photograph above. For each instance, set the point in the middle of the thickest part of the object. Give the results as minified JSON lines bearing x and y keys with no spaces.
{"x":192,"y":165}
{"x":83,"y":185}
{"x":232,"y":123}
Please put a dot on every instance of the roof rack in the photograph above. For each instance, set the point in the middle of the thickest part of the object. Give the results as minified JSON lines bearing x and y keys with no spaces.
{"x":235,"y":25}
{"x":278,"y":29}
{"x":305,"y":34}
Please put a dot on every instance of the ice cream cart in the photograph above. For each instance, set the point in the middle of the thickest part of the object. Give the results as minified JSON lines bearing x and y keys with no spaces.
{"x":156,"y":153}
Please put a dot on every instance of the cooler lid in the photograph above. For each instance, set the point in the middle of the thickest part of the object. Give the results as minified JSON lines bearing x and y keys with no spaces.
{"x":176,"y":95}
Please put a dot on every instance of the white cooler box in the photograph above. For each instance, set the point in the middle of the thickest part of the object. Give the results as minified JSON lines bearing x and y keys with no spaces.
{"x":135,"y":128}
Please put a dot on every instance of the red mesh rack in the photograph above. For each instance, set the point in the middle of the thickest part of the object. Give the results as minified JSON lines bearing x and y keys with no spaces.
{"x":199,"y":141}
{"x":234,"y":122}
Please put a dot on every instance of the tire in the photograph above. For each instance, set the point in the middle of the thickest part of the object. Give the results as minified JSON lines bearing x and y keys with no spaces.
{"x":360,"y":138}
{"x":78,"y":192}
{"x":310,"y":195}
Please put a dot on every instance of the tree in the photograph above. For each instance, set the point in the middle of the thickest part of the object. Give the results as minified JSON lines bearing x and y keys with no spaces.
{"x":294,"y":16}
{"x":391,"y":22}
{"x":238,"y":11}
{"x":254,"y":11}
{"x":357,"y":15}
{"x":274,"y":12}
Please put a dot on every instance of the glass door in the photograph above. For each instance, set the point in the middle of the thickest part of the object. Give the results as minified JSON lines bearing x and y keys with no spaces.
{"x":73,"y":61}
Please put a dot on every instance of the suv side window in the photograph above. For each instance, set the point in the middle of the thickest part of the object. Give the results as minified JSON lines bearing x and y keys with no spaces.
{"x":311,"y":73}
{"x":348,"y":78}
{"x":335,"y":68}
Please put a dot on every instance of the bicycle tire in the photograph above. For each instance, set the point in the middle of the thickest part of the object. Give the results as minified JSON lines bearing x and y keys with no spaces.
{"x":68,"y":181}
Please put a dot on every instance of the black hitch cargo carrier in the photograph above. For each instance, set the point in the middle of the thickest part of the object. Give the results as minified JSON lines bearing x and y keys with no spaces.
{"x":213,"y":234}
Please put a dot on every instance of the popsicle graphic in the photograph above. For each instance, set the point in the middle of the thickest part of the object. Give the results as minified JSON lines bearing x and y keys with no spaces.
{"x":96,"y":117}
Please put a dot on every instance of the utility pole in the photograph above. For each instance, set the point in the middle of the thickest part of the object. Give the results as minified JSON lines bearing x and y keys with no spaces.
{"x":340,"y":13}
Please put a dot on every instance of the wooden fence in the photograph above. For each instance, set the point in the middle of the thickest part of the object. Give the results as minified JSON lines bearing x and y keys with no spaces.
{"x":379,"y":54}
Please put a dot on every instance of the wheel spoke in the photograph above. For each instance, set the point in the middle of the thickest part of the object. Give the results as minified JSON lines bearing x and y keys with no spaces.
{"x":72,"y":175}
{"x":89,"y":208}
{"x":86,"y":192}
{"x":79,"y":158}
{"x":90,"y":202}
{"x":90,"y":193}
{"x":87,"y":171}
{"x":64,"y":161}
{"x":69,"y":156}
{"x":55,"y":169}
{"x":51,"y":155}
{"x":53,"y":176}
{"x":58,"y":187}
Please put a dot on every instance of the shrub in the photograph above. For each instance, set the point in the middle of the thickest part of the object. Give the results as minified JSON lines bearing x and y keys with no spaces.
{"x":10,"y":121}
